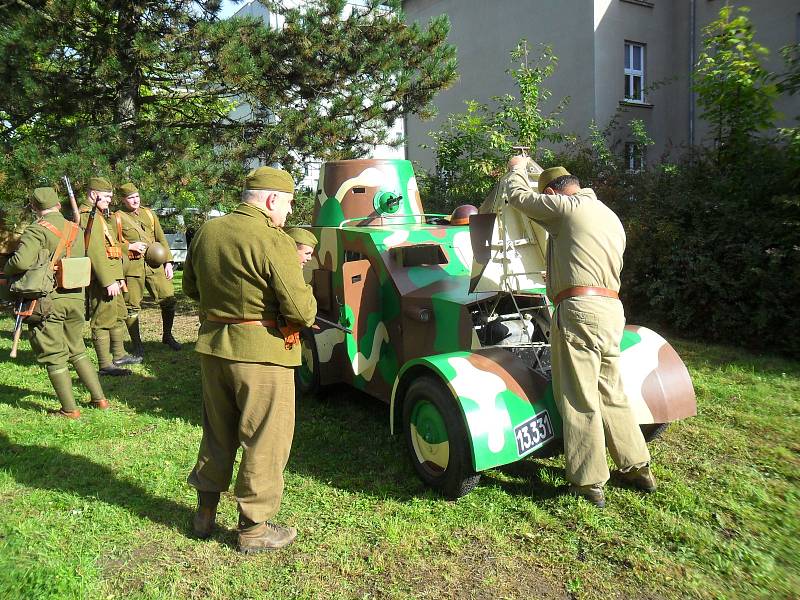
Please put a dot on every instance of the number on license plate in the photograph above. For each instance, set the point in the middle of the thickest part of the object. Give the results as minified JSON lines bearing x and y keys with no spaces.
{"x":533,"y":433}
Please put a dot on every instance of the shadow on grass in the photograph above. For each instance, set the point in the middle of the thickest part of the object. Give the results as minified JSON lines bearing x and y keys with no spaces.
{"x":48,"y":468}
{"x":342,"y":438}
{"x":13,"y":395}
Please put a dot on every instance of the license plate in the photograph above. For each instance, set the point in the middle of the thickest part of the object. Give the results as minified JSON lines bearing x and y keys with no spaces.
{"x":533,"y":433}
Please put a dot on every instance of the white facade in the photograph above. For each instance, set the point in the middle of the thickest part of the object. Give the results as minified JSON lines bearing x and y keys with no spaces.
{"x":590,"y":38}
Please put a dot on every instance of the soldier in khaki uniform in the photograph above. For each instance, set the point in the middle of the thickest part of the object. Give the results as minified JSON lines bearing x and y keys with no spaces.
{"x":243,"y":269}
{"x":305,"y":241}
{"x":584,"y":260}
{"x":137,"y":227}
{"x":108,"y":282}
{"x":58,"y":339}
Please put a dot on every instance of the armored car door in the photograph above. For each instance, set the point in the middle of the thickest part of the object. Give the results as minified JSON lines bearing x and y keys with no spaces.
{"x":368,"y":344}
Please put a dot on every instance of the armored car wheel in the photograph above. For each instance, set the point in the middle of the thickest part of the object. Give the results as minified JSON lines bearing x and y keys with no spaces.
{"x":306,"y":376}
{"x":437,"y":438}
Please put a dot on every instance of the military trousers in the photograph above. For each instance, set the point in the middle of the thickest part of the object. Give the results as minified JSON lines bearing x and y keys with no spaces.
{"x":59,"y":338}
{"x":108,"y":312}
{"x":247,"y":405}
{"x":585,"y":343}
{"x":156,"y":282}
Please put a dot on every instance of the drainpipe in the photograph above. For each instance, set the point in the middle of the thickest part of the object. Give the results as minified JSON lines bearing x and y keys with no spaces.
{"x":692,"y":59}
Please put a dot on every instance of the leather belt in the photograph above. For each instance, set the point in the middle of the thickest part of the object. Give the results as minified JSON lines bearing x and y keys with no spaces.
{"x":231,"y":321}
{"x":291,"y":335}
{"x":585,"y":290}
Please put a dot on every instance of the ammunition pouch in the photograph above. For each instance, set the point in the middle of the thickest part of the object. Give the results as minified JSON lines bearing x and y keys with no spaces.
{"x":114,"y":252}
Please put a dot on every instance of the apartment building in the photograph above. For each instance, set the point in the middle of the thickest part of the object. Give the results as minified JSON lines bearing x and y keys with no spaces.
{"x":630,"y":58}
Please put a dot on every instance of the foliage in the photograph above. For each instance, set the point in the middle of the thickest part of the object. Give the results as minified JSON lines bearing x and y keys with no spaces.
{"x":146,"y":89}
{"x":100,"y":508}
{"x":734,"y":91}
{"x":472,"y":148}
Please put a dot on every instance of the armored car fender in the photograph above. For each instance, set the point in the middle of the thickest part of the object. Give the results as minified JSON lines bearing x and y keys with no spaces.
{"x":506,"y":409}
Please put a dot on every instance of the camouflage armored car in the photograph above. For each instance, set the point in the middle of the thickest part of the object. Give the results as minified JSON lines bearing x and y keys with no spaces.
{"x":445,"y":318}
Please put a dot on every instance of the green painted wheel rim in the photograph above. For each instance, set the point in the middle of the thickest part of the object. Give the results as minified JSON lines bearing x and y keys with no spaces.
{"x":306,"y":370}
{"x":429,"y":437}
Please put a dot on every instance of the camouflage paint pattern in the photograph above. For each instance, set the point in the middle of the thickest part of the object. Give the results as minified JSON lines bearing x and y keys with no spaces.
{"x":405,"y":289}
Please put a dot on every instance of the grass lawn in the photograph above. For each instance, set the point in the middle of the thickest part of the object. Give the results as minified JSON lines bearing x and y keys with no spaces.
{"x":99,"y":508}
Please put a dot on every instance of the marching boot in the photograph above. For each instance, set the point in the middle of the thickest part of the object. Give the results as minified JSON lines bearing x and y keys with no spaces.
{"x":88,"y":375}
{"x":205,"y":519}
{"x":167,"y":319}
{"x":102,"y":346}
{"x":136,"y":338}
{"x":62,"y":385}
{"x":262,"y":537}
{"x":121,"y":358}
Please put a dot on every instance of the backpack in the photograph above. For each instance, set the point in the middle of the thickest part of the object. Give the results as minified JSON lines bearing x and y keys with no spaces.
{"x":51,"y":273}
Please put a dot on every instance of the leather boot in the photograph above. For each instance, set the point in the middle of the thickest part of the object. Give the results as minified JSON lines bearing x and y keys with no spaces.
{"x":205,"y":519}
{"x":592,"y":493}
{"x":167,"y":319}
{"x":136,"y":338}
{"x":262,"y":537}
{"x":88,"y":376}
{"x":62,"y":385}
{"x":639,"y":477}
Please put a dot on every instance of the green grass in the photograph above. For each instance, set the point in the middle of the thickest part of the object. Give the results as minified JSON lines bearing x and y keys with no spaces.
{"x":99,"y":508}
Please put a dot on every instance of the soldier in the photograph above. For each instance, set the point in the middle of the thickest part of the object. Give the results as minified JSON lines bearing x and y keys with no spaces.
{"x":105,"y":293}
{"x":137,"y":227}
{"x":305,"y":241}
{"x":243,"y":270}
{"x":58,"y":338}
{"x":584,"y":260}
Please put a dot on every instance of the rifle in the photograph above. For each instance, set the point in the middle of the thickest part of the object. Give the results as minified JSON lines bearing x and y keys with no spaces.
{"x":76,"y":215}
{"x":21,"y":314}
{"x":87,"y":233}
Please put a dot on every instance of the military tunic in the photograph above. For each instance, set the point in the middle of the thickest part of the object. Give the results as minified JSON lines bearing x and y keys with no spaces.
{"x":108,"y":312}
{"x":142,"y":225}
{"x":584,"y":248}
{"x":59,"y":337}
{"x":241,"y":267}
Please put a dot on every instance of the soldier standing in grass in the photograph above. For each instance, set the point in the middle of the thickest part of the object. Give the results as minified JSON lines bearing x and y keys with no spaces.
{"x":108,"y":282}
{"x":584,"y":260}
{"x":137,"y":227}
{"x":242,"y":268}
{"x":58,"y":338}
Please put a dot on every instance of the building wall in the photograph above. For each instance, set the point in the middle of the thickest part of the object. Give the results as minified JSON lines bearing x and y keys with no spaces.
{"x":588,"y":38}
{"x":484,"y":34}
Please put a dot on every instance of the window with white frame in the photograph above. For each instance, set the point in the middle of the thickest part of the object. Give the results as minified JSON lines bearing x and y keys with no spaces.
{"x":634,"y":72}
{"x":634,"y":157}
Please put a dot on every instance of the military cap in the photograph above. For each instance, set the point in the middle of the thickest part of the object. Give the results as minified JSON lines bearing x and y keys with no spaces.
{"x":127,"y":189}
{"x":551,"y":174}
{"x":43,"y":198}
{"x":302,"y":236}
{"x":268,"y":178}
{"x":100,"y":184}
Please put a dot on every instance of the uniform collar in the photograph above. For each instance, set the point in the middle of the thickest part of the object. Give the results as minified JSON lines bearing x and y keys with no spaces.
{"x":254,"y":211}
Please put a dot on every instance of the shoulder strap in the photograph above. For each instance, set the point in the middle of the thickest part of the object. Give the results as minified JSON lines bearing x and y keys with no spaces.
{"x":149,"y":214}
{"x":65,"y":239}
{"x":118,"y":219}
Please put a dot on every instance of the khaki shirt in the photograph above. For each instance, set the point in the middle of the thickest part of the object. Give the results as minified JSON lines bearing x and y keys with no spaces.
{"x":141,"y":225}
{"x":105,"y":270}
{"x":586,"y":239}
{"x":241,"y":266}
{"x":37,"y":237}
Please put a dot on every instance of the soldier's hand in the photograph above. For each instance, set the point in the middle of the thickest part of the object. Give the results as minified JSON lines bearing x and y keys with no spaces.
{"x":519,"y":160}
{"x":168,"y":270}
{"x":113,"y":289}
{"x":138,"y":247}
